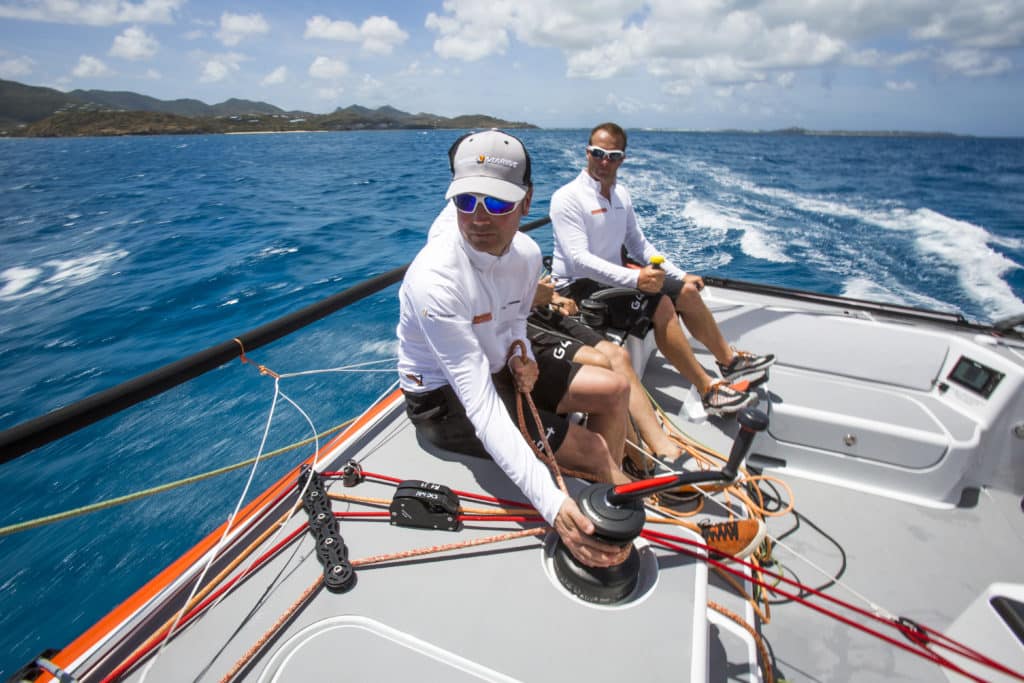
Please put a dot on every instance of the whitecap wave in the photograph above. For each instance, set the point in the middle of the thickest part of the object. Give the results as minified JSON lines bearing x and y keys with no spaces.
{"x":964,"y":246}
{"x":756,"y":242}
{"x":21,"y":282}
{"x":871,"y":290}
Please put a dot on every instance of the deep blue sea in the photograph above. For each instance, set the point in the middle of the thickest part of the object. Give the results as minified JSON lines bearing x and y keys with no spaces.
{"x":118,"y":256}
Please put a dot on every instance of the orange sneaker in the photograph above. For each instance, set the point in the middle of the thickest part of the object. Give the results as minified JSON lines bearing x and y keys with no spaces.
{"x":736,"y":538}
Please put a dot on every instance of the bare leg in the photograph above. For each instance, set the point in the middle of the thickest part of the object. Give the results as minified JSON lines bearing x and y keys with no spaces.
{"x":586,"y":451}
{"x":674,"y":346}
{"x":604,"y":396}
{"x":639,"y":406}
{"x":701,"y":323}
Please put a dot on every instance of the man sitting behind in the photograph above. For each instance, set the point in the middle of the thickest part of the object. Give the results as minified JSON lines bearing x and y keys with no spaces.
{"x":463,"y":303}
{"x":593,"y":218}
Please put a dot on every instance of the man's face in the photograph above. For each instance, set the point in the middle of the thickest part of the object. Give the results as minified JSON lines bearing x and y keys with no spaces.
{"x":492,"y":234}
{"x":604,"y":170}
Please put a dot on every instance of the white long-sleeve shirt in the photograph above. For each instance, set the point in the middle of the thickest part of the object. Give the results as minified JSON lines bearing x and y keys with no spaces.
{"x":589,"y":233}
{"x":461,"y":309}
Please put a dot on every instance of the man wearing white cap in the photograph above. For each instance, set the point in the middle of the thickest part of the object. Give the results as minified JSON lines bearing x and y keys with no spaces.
{"x":464,"y":301}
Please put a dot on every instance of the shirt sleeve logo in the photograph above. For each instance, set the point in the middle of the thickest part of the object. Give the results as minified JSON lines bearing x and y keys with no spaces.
{"x":482,"y":318}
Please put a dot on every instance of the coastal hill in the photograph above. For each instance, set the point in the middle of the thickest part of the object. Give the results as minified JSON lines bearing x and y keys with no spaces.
{"x":30,"y":111}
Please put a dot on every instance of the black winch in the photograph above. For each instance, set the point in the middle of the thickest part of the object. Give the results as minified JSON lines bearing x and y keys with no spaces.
{"x":618,"y":516}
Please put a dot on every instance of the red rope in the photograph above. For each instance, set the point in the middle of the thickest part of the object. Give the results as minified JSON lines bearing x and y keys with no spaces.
{"x":462,"y":494}
{"x":670,"y":542}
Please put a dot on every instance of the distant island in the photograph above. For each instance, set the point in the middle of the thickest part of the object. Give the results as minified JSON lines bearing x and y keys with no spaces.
{"x":30,"y":111}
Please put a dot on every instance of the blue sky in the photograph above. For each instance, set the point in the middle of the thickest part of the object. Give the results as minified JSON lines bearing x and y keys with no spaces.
{"x":926,"y":65}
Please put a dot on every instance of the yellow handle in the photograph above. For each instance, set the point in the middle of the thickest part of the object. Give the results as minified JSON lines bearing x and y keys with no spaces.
{"x":657,"y":260}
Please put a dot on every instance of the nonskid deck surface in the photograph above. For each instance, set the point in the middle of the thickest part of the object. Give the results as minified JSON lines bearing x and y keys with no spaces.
{"x":495,"y":613}
{"x":927,"y":562}
{"x":486,"y":613}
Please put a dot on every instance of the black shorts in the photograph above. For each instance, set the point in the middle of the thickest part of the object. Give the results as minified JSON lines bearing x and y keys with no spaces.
{"x":440,"y":417}
{"x":558,"y":337}
{"x":624,"y":312}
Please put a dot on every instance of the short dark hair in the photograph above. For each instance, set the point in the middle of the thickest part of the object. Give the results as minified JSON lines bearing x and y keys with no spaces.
{"x":455,"y":146}
{"x":609,"y":127}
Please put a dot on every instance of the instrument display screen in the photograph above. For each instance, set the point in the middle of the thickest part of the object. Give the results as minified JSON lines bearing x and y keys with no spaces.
{"x":975,"y":376}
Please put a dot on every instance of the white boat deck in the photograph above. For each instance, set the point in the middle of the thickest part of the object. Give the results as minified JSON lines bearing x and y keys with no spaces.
{"x":894,"y":517}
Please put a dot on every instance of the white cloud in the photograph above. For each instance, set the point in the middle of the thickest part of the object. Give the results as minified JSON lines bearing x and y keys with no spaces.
{"x":970,"y":23}
{"x":276,"y":77}
{"x":133,"y":44}
{"x":463,"y":38}
{"x":900,"y":86}
{"x":16,"y":67}
{"x":381,"y":35}
{"x":90,"y":67}
{"x":234,"y":28}
{"x":218,"y":67}
{"x":718,"y":42}
{"x":92,"y":12}
{"x":324,"y":28}
{"x":327,"y":68}
{"x":973,"y":63}
{"x":377,"y":35}
{"x":153,"y":75}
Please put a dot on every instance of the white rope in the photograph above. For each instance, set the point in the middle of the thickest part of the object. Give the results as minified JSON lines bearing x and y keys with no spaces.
{"x":231,"y":519}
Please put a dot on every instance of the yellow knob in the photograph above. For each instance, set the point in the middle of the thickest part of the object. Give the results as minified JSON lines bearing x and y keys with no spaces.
{"x":657,"y":260}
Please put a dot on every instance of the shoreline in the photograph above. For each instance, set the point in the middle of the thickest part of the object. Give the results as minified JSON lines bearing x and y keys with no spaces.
{"x":271,"y":132}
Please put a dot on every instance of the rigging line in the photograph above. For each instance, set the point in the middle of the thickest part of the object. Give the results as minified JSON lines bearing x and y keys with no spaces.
{"x":145,"y":493}
{"x":344,"y":368}
{"x":227,"y":528}
{"x":353,"y":371}
{"x":920,"y":650}
{"x":301,"y":493}
{"x":875,"y":607}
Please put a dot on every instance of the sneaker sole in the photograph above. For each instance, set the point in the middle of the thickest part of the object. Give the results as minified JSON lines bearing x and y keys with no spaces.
{"x":760,"y":373}
{"x":733,"y":409}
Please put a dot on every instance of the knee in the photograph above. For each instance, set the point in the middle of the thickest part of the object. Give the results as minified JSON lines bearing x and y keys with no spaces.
{"x":689,"y":297}
{"x":618,"y":357}
{"x":619,"y":388}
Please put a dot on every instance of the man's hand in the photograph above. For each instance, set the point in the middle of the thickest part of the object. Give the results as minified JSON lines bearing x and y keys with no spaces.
{"x":564,"y":305}
{"x":524,"y":372}
{"x":544,"y":292}
{"x":697,"y":281}
{"x":650,"y":279}
{"x":575,"y":530}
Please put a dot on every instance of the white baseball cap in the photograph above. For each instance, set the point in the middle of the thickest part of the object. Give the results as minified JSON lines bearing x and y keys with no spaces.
{"x":491,"y":163}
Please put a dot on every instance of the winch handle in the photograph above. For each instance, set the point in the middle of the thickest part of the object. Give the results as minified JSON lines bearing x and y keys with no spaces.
{"x":751,"y":421}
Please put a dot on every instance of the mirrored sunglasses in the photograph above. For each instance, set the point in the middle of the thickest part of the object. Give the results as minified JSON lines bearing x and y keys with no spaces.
{"x":600,"y":153}
{"x":466,"y":203}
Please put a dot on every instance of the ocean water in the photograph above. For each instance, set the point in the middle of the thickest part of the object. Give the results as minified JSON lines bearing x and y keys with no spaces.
{"x":118,"y":256}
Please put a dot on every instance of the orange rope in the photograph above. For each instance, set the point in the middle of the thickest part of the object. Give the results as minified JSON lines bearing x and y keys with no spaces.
{"x":546,"y":455}
{"x":766,"y":667}
{"x":264,"y":370}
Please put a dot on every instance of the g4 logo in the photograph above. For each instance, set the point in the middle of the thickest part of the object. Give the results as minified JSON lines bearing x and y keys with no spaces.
{"x":548,"y":433}
{"x":560,"y":350}
{"x":638,"y":301}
